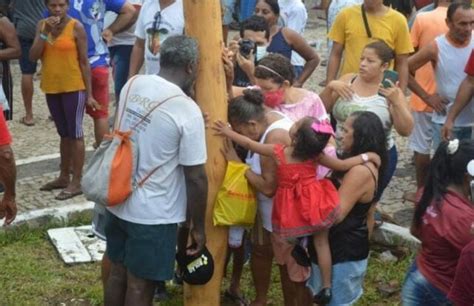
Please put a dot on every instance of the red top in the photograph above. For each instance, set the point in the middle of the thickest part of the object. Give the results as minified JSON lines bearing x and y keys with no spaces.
{"x":443,"y":235}
{"x":5,"y":138}
{"x":462,"y":291}
{"x":469,"y":69}
{"x":302,"y":204}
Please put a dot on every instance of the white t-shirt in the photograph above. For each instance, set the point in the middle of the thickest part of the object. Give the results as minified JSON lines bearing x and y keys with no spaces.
{"x":171,"y":137}
{"x":154,"y":26}
{"x":293,"y":15}
{"x":126,"y":37}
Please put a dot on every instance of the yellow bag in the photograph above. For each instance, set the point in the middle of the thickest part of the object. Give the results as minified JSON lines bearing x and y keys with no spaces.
{"x":236,"y":203}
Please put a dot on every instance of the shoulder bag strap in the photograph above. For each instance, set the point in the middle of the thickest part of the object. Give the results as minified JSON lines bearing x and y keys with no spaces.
{"x":366,"y":23}
{"x":118,"y":122}
{"x":143,"y":180}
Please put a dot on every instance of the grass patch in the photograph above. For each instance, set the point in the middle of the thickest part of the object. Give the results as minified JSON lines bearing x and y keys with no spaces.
{"x":33,"y":274}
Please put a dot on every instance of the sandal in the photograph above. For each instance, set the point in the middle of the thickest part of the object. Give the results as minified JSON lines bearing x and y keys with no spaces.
{"x":24,"y":122}
{"x":65,"y":195}
{"x":53,"y":185}
{"x":239,"y":299}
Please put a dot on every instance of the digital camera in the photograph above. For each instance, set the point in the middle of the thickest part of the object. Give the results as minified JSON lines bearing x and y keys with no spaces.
{"x":246,"y":47}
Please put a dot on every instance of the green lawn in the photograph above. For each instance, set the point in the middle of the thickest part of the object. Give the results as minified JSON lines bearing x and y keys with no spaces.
{"x":31,"y":273}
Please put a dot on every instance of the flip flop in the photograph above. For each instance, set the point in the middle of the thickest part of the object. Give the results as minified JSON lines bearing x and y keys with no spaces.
{"x":24,"y":122}
{"x":64,"y":195}
{"x":52,"y":186}
{"x":236,"y":298}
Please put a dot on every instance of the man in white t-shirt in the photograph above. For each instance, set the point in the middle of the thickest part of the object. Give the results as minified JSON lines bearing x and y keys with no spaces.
{"x":158,"y":20}
{"x":293,"y":15}
{"x":141,"y":232}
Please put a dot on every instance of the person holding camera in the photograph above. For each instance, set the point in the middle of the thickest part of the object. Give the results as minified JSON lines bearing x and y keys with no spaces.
{"x":248,"y":48}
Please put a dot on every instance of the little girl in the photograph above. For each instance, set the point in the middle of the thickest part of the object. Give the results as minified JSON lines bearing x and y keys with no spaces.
{"x":303,"y":205}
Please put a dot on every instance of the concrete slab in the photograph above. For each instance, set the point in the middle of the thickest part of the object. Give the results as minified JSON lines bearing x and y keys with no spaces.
{"x":77,"y":244}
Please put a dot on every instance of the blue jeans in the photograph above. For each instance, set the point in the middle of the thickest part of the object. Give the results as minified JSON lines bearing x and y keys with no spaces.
{"x":347,"y":281}
{"x":417,"y":290}
{"x":120,"y":60}
{"x":458,"y":132}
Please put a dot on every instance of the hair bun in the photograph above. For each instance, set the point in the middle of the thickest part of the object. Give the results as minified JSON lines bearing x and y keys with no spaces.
{"x":254,"y":96}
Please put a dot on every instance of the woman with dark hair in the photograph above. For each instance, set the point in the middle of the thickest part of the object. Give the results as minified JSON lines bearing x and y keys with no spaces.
{"x":248,"y":116}
{"x":442,"y":221}
{"x":284,"y":40}
{"x":364,"y":92}
{"x":349,"y":238}
{"x":61,"y":44}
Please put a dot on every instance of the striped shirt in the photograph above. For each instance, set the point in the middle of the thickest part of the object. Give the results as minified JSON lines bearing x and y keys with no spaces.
{"x":26,"y":14}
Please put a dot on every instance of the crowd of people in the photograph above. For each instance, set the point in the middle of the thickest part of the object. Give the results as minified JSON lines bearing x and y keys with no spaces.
{"x":319,"y":162}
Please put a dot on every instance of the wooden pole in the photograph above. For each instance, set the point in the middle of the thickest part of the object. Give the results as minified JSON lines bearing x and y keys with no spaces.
{"x":204,"y":22}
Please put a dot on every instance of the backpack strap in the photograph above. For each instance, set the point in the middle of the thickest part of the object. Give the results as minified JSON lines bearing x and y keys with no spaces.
{"x":366,"y":22}
{"x":118,"y":122}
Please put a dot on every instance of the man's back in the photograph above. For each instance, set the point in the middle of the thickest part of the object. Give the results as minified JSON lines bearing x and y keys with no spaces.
{"x":349,"y":30}
{"x":172,"y":136}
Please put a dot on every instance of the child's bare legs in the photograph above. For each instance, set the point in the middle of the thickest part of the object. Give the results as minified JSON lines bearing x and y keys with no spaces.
{"x":321,"y":244}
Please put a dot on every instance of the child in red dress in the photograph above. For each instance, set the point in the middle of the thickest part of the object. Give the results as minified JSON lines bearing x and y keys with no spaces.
{"x":303,"y":205}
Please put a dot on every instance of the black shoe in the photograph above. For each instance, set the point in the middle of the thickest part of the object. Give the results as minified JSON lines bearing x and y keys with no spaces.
{"x":301,"y":256}
{"x":323,"y":297}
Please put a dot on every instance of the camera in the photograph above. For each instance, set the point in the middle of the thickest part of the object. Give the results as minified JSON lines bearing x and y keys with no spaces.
{"x":246,"y":46}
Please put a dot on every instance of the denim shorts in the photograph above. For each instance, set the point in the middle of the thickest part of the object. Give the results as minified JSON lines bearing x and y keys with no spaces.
{"x":417,"y":290}
{"x":458,"y":132}
{"x":228,"y":7}
{"x":147,"y":251}
{"x":347,"y":281}
{"x":26,"y":66}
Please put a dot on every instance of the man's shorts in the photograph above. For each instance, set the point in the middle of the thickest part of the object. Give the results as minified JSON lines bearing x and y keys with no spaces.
{"x":147,"y":251}
{"x":421,"y":137}
{"x":100,"y":92}
{"x":26,"y":66}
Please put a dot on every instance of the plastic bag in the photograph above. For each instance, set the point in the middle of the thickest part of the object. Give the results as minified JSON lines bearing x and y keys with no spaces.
{"x":236,"y":203}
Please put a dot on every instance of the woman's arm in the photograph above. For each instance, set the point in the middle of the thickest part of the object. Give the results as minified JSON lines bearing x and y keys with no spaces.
{"x":353,"y":189}
{"x":346,"y":164}
{"x":266,"y":182}
{"x":224,"y":129}
{"x":401,"y":116}
{"x":81,"y":44}
{"x":301,"y":46}
{"x":9,"y":38}
{"x":42,"y":32}
{"x":336,"y":89}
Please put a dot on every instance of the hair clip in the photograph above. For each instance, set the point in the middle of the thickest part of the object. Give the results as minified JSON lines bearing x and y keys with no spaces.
{"x":323,"y":126}
{"x":453,"y":146}
{"x":470,"y":168}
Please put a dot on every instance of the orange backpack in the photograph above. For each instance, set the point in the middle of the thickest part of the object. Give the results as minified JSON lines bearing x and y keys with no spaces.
{"x":110,"y":176}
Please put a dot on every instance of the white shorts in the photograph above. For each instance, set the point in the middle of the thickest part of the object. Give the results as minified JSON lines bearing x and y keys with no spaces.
{"x":421,"y":137}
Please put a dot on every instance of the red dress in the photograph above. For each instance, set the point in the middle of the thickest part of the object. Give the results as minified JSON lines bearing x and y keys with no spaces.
{"x":302,"y":204}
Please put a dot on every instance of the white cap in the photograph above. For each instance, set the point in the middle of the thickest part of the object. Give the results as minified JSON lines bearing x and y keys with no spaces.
{"x":470,"y":168}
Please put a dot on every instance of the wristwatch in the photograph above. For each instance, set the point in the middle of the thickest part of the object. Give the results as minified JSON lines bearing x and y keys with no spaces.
{"x":365,"y":157}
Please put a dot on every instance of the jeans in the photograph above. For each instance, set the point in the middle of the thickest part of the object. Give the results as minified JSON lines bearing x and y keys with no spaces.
{"x":460,"y":133}
{"x":120,"y":59}
{"x":417,"y":290}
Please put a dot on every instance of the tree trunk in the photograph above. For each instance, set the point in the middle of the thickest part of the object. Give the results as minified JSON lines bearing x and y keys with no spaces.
{"x":204,"y":22}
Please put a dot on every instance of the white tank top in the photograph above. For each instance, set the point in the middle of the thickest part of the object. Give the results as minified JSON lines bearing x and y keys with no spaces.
{"x":253,"y":160}
{"x":449,"y":75}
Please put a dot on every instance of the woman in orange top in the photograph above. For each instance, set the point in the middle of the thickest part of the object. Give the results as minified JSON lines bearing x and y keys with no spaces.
{"x":61,"y":44}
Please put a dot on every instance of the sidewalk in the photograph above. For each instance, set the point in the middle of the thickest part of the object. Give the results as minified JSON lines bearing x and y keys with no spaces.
{"x":42,"y":142}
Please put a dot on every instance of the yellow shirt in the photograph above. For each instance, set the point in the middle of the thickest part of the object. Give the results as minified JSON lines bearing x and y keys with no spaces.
{"x":60,"y":70}
{"x":426,"y":27}
{"x":349,"y":30}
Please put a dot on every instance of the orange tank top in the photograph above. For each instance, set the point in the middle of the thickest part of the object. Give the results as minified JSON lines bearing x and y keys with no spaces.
{"x":60,"y":70}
